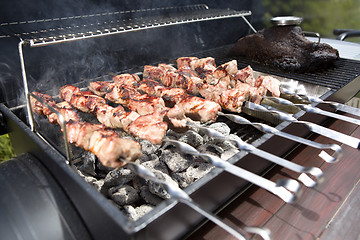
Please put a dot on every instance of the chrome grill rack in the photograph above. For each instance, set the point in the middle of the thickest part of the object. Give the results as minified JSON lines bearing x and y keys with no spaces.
{"x":44,"y":32}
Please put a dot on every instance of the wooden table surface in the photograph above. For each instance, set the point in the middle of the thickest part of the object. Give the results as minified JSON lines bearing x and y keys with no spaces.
{"x":331,"y":210}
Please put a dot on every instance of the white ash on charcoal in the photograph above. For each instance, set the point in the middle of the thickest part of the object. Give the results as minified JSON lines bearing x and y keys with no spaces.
{"x":175,"y":161}
{"x":229,"y":153}
{"x":157,"y":188}
{"x":221,"y":127}
{"x":198,"y":169}
{"x":124,"y":195}
{"x":146,"y":158}
{"x":116,"y":178}
{"x":134,"y":213}
{"x":102,"y":170}
{"x":148,"y":148}
{"x":97,"y":183}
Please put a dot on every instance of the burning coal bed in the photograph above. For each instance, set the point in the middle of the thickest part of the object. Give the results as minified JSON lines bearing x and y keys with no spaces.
{"x":134,"y":196}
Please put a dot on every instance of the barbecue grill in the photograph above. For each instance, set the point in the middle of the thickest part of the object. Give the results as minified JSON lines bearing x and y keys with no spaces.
{"x":78,"y":49}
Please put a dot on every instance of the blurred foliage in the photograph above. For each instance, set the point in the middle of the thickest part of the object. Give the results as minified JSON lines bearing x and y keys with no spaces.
{"x":6,"y":150}
{"x":322,"y":16}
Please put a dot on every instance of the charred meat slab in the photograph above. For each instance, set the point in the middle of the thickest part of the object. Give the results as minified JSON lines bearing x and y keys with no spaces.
{"x":286,"y":48}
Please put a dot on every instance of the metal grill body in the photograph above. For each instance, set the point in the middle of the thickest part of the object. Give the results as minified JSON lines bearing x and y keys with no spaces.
{"x":94,"y":39}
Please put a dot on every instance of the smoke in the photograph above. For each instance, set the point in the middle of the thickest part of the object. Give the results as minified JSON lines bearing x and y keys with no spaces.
{"x":50,"y":67}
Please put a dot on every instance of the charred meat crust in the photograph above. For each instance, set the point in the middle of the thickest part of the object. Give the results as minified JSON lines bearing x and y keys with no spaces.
{"x":286,"y":48}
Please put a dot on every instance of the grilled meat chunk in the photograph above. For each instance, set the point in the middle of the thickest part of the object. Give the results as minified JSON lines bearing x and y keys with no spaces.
{"x":86,"y":103}
{"x":270,"y":83}
{"x":127,"y":79}
{"x":245,"y":75}
{"x":105,"y":144}
{"x":63,"y":108}
{"x":67,"y":91}
{"x":38,"y":107}
{"x":115,"y":117}
{"x":170,"y":77}
{"x":287,"y":49}
{"x":169,"y":94}
{"x":199,"y":109}
{"x":110,"y":148}
{"x":255,"y":93}
{"x":184,"y":62}
{"x":141,"y":103}
{"x":151,"y":127}
{"x":66,"y":111}
{"x":101,"y":88}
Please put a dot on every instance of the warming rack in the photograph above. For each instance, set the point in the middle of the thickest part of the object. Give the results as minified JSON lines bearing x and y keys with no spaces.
{"x":45,"y":32}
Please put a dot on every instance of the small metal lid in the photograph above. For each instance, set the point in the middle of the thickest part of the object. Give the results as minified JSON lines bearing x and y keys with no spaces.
{"x":286,"y":20}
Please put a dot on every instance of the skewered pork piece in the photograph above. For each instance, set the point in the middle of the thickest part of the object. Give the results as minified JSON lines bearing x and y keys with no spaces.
{"x":117,"y":117}
{"x":175,"y":117}
{"x":113,"y":117}
{"x":170,"y":95}
{"x":127,"y":79}
{"x":170,"y":77}
{"x":230,"y":99}
{"x":151,"y":127}
{"x":185,"y":104}
{"x":64,"y":108}
{"x":38,"y":107}
{"x":105,"y":144}
{"x":245,"y":75}
{"x":141,"y":103}
{"x":206,"y":66}
{"x":222,"y":92}
{"x":66,"y":111}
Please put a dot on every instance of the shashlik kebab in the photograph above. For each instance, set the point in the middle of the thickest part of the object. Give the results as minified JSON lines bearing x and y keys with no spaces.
{"x":185,"y":105}
{"x":245,"y":81}
{"x":105,"y":144}
{"x":150,"y":126}
{"x":240,"y":78}
{"x":225,"y":84}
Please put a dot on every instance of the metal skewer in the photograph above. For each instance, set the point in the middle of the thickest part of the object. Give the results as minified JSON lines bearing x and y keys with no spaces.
{"x":288,"y":190}
{"x":307,"y":180}
{"x":179,"y":195}
{"x":337,"y":106}
{"x":337,"y":136}
{"x":311,"y":109}
{"x":268,"y":129}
